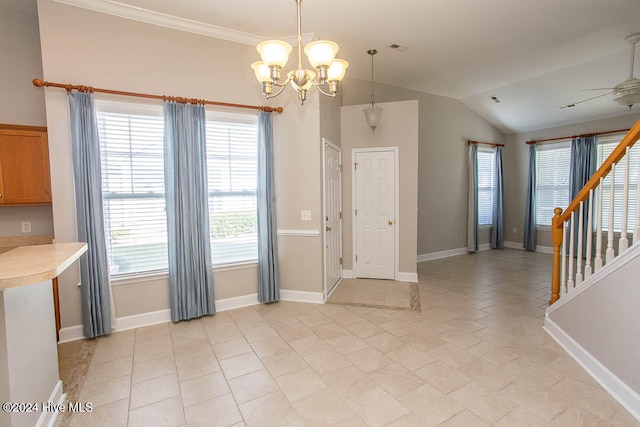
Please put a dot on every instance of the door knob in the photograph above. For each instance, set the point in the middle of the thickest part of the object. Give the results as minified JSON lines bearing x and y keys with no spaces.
{"x":390,"y":222}
{"x":328,"y":228}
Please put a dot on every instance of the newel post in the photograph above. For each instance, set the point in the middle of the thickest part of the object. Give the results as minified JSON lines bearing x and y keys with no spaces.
{"x":556,"y":239}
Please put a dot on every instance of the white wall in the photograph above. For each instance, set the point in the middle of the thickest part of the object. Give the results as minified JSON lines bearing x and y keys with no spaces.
{"x":21,"y":103}
{"x":398,"y":128}
{"x":116,"y":53}
{"x":445,"y":125}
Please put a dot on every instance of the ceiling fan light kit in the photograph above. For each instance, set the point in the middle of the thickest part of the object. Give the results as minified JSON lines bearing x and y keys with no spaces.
{"x":321,"y":54}
{"x":628,"y":91}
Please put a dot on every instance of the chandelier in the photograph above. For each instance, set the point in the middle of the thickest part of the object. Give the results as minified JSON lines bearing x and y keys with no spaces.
{"x":329,"y":71}
{"x":372,"y":113}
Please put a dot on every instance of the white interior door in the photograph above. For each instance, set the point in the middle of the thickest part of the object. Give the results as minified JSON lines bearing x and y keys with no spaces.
{"x":375,"y":216}
{"x":333,"y":216}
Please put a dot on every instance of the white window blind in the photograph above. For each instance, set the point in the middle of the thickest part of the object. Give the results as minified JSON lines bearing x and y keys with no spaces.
{"x":606,"y":145}
{"x":485,"y":187}
{"x":552,"y":179}
{"x":232,"y":161}
{"x":133,"y":191}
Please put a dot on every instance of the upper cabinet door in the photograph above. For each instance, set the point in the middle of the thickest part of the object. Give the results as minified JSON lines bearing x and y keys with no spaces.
{"x":24,"y":167}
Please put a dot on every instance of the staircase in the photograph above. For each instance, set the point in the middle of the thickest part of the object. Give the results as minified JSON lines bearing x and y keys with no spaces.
{"x":594,"y":311}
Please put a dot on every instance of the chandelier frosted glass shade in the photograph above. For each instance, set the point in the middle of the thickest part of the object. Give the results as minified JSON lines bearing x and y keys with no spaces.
{"x":373,"y":115}
{"x":321,"y":53}
{"x":274,"y":52}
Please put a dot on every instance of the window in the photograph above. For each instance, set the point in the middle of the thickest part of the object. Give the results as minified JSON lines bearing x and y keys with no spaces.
{"x":485,"y":186}
{"x":232,"y":162}
{"x":606,"y":145}
{"x":131,"y":145}
{"x":552,"y":179}
{"x":132,"y":154}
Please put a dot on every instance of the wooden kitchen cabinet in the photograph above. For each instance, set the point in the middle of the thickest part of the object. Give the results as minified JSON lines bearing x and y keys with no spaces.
{"x":24,"y":166}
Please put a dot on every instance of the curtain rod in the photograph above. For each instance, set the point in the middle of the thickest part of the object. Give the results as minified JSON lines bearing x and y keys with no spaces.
{"x":491,"y":144}
{"x":577,"y":136}
{"x":70,"y":87}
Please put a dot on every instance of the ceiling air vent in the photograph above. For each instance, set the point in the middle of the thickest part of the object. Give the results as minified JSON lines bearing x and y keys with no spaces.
{"x":398,"y":47}
{"x":566,"y":106}
{"x":495,"y":99}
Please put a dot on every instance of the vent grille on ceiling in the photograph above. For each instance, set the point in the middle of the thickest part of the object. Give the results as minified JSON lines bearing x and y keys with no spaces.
{"x":398,"y":47}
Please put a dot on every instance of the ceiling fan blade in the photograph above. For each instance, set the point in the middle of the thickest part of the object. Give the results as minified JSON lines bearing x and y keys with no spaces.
{"x":573,"y":104}
{"x":596,"y":88}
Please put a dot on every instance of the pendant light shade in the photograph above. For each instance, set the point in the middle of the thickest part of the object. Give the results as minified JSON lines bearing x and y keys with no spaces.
{"x":372,"y":113}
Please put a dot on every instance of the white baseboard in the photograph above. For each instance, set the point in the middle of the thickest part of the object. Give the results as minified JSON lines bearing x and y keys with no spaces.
{"x":74,"y":333}
{"x":57,"y":398}
{"x":442,"y":254}
{"x":347,"y":274}
{"x":620,"y":391}
{"x":513,"y":245}
{"x":302,"y":296}
{"x":407,"y":277}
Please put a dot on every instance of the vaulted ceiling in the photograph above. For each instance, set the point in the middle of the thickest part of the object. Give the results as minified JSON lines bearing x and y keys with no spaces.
{"x":532,"y":55}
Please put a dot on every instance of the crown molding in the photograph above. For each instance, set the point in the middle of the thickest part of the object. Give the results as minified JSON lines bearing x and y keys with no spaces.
{"x":147,"y":16}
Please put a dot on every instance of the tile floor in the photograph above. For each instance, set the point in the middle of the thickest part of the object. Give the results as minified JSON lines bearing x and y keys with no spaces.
{"x":474,"y":356}
{"x":377,"y":294}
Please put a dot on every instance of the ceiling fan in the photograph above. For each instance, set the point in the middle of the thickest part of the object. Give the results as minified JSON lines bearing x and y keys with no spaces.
{"x":627,"y":92}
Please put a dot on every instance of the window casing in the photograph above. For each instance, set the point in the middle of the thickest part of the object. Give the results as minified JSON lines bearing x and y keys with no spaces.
{"x":485,"y":186}
{"x":132,"y":154}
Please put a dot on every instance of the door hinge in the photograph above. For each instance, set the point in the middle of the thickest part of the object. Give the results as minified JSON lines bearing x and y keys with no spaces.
{"x":356,"y":258}
{"x":340,"y":168}
{"x":339,"y":215}
{"x":340,"y":260}
{"x":356,"y":212}
{"x":355,"y":165}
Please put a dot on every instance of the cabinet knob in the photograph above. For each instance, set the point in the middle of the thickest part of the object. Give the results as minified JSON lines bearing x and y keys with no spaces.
{"x":0,"y":195}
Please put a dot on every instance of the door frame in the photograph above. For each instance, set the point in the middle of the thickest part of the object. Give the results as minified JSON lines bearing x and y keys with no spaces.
{"x":326,"y":143}
{"x":354,"y":219}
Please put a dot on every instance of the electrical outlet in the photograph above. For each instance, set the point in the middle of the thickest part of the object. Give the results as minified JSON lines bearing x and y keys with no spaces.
{"x":305,"y":215}
{"x":26,"y":227}
{"x":515,"y":230}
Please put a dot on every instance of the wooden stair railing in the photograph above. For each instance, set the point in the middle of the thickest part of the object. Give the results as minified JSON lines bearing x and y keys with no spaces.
{"x":564,"y":279}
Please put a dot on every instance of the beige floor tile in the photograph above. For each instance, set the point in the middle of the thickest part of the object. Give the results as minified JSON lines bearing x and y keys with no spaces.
{"x":377,"y":407}
{"x":492,"y":353}
{"x":197,"y":367}
{"x":154,"y":390}
{"x":154,"y":350}
{"x":574,"y":416}
{"x":396,"y":380}
{"x":543,"y":376}
{"x":99,"y":372}
{"x":166,"y":413}
{"x":272,"y":409}
{"x":369,"y":359}
{"x":192,"y":349}
{"x":232,"y":348}
{"x":349,"y":382}
{"x":385,"y":342}
{"x":270,"y":346}
{"x":327,"y":331}
{"x":284,"y":363}
{"x":221,"y":411}
{"x":346,"y":318}
{"x":310,"y":345}
{"x":323,"y":407}
{"x":487,"y":404}
{"x":224,"y":333}
{"x":364,"y":329}
{"x":452,"y":355}
{"x":240,"y":365}
{"x":294,"y":332}
{"x":586,"y":397}
{"x":459,"y":338}
{"x":487,"y":375}
{"x":520,"y":417}
{"x":259,"y":333}
{"x":442,"y":377}
{"x":107,"y":354}
{"x":153,"y":368}
{"x":329,"y":361}
{"x":409,"y":420}
{"x":540,"y":402}
{"x":201,"y":389}
{"x":300,"y":384}
{"x":430,"y":405}
{"x":410,"y":357}
{"x":253,"y":385}
{"x":346,"y":344}
{"x":106,"y":392}
{"x":465,"y":419}
{"x":113,"y":414}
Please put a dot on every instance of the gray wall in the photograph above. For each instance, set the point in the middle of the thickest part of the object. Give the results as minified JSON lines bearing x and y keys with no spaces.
{"x":516,"y":166}
{"x":445,"y":124}
{"x":21,"y":103}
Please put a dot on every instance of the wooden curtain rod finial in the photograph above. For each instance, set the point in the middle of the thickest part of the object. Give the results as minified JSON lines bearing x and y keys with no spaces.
{"x":38,"y":83}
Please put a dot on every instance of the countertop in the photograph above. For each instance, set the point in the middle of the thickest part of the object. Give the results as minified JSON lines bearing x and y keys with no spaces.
{"x":27,"y":265}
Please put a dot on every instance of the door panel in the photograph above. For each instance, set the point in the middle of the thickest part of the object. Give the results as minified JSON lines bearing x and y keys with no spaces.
{"x":374,"y":178}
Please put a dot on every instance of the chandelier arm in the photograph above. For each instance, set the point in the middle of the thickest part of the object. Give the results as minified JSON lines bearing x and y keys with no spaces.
{"x":278,"y":84}
{"x":319,"y":87}
{"x":277,"y":93}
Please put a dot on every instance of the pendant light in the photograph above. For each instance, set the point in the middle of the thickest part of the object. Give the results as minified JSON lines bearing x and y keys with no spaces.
{"x":372,"y":113}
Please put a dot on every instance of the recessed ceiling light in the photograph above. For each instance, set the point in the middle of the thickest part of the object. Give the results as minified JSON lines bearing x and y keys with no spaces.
{"x":398,"y":47}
